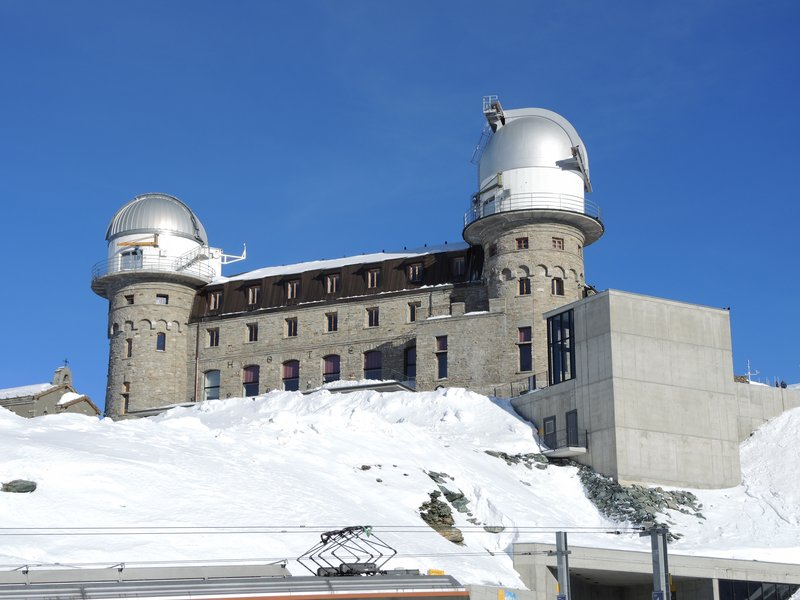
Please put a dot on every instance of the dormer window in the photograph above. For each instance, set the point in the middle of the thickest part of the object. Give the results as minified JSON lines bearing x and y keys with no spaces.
{"x":333,"y":283}
{"x":373,"y":278}
{"x":414,"y":272}
{"x":459,"y":266}
{"x":214,"y":300}
{"x":253,"y":295}
{"x":292,"y":289}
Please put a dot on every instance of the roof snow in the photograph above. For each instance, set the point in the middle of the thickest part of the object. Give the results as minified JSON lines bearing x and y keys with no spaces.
{"x":68,"y":397}
{"x":24,"y":390}
{"x":335,"y":263}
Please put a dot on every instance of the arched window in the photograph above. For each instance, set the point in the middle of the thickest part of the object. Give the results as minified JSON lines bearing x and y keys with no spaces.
{"x":373,"y":362}
{"x":557,"y":286}
{"x":410,"y":363}
{"x":250,"y":375}
{"x":161,"y":342}
{"x":211,"y":385}
{"x":291,"y":375}
{"x":330,"y":368}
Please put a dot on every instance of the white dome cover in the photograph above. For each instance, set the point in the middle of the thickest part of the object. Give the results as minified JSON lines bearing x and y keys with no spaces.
{"x":156,"y":213}
{"x":531,"y":137}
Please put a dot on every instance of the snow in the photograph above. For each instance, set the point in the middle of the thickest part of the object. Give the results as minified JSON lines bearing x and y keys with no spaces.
{"x":338,"y":262}
{"x":272,"y":472}
{"x":68,"y":397}
{"x":24,"y":390}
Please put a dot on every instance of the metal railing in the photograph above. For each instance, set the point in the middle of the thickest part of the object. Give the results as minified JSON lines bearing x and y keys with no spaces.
{"x":136,"y":264}
{"x":564,"y":438}
{"x":533,"y":200}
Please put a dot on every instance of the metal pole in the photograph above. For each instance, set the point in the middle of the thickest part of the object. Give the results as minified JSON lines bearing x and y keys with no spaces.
{"x":562,"y":558}
{"x":658,"y":544}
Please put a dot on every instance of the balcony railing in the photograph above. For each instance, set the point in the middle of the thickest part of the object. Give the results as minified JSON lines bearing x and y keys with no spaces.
{"x":537,"y":200}
{"x":146,"y":264}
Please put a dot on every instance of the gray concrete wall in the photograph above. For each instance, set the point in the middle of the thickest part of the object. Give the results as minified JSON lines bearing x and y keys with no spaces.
{"x":757,"y":404}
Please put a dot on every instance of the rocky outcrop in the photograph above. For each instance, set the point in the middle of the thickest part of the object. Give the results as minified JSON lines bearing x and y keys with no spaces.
{"x":19,"y":486}
{"x":439,"y":516}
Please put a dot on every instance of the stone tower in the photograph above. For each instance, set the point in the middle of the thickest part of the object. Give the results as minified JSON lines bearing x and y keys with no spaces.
{"x":158,"y":257}
{"x":531,"y":217}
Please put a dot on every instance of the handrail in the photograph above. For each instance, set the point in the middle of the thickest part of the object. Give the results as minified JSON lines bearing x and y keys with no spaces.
{"x":160,"y":264}
{"x":532,"y":200}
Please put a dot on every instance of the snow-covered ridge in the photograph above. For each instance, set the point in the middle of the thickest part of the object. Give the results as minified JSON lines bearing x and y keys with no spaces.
{"x":287,"y":460}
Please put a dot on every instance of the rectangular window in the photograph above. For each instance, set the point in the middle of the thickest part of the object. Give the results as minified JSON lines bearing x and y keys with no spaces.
{"x":414,"y":272}
{"x":211,"y":385}
{"x":252,"y":332}
{"x":331,"y":322}
{"x":558,"y":243}
{"x":129,"y":299}
{"x":560,"y":350}
{"x":373,"y":278}
{"x":524,"y":286}
{"x":128,"y":348}
{"x":292,"y":289}
{"x":458,"y":266}
{"x":557,"y":286}
{"x":162,"y":299}
{"x":253,"y":295}
{"x":250,"y":378}
{"x":522,"y":243}
{"x":214,"y":300}
{"x":213,"y":337}
{"x":441,"y":356}
{"x":525,"y":350}
{"x":413,"y":311}
{"x":126,"y":396}
{"x":291,"y":327}
{"x":161,"y":342}
{"x":333,"y":283}
{"x":373,"y":317}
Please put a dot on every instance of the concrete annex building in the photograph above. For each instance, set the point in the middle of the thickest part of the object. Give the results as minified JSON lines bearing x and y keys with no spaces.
{"x":640,"y":388}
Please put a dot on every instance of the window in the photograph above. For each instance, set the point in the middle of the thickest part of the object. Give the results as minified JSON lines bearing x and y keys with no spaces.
{"x":129,"y":299}
{"x":128,"y":348}
{"x":214,"y":300}
{"x":557,"y":286}
{"x":550,"y":432}
{"x":441,"y":356}
{"x":558,"y":243}
{"x":373,"y":278}
{"x":291,"y":327}
{"x":458,"y":266}
{"x":211,"y":385}
{"x":252,"y":332}
{"x":373,"y":317}
{"x":115,"y":329}
{"x":413,"y":311}
{"x":373,"y":364}
{"x":410,"y":363}
{"x":292,"y":289}
{"x":414,"y":272}
{"x":330,"y":368}
{"x":525,"y":352}
{"x":253,"y":295}
{"x":213,"y":337}
{"x":560,"y":351}
{"x":126,"y":395}
{"x":580,"y":249}
{"x":524,"y":286}
{"x":162,"y":299}
{"x":333,"y":283}
{"x":250,"y":376}
{"x":161,"y":342}
{"x":572,"y":428}
{"x":291,"y":375}
{"x":331,"y":322}
{"x":522,"y":243}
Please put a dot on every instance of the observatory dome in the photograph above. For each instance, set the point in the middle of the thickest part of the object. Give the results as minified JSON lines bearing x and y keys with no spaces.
{"x":156,"y":213}
{"x":531,"y":137}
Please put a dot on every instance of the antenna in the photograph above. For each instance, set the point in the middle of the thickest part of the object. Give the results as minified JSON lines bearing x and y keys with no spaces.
{"x":749,"y":372}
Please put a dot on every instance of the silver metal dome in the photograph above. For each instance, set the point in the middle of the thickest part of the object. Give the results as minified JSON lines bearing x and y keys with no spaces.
{"x":531,"y":137}
{"x":157,"y":213}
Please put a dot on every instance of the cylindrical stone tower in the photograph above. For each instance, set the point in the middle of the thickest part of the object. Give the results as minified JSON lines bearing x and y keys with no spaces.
{"x":531,"y":217}
{"x":158,"y":256}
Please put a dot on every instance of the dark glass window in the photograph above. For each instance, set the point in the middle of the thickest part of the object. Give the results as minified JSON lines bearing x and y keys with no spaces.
{"x":161,"y":342}
{"x":331,"y":321}
{"x":331,"y":368}
{"x":373,"y":364}
{"x":214,"y":300}
{"x":250,"y":376}
{"x":291,"y":375}
{"x":373,"y":278}
{"x":253,"y":295}
{"x":292,"y":290}
{"x":333,"y":283}
{"x":129,"y":299}
{"x":560,"y":349}
{"x":441,"y":356}
{"x":410,"y":362}
{"x":414,"y":272}
{"x":557,"y":286}
{"x":524,"y":286}
{"x":291,"y":327}
{"x":459,"y":266}
{"x":213,"y":337}
{"x":252,"y":332}
{"x":128,"y":348}
{"x":373,"y":317}
{"x":413,"y":311}
{"x":525,"y":352}
{"x":522,"y":243}
{"x":211,"y":385}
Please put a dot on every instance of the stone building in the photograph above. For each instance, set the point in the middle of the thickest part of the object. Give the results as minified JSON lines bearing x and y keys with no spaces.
{"x":51,"y":398}
{"x":467,"y":315}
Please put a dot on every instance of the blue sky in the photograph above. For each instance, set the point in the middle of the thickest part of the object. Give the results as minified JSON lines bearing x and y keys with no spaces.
{"x":324,"y":129}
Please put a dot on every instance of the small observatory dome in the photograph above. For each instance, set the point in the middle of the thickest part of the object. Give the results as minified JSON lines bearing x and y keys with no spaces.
{"x":531,"y":137}
{"x":156,"y":213}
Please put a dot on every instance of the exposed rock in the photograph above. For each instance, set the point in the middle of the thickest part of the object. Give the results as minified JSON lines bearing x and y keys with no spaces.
{"x":365,"y":467}
{"x":494,"y":528}
{"x":440,"y":478}
{"x":439,"y":516}
{"x":19,"y":486}
{"x":529,"y":460}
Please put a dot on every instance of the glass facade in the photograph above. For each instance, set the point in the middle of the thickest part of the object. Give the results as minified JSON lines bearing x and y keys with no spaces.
{"x":560,"y":349}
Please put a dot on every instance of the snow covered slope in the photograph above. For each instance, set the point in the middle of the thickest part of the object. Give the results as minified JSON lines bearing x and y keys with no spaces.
{"x":276,"y":470}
